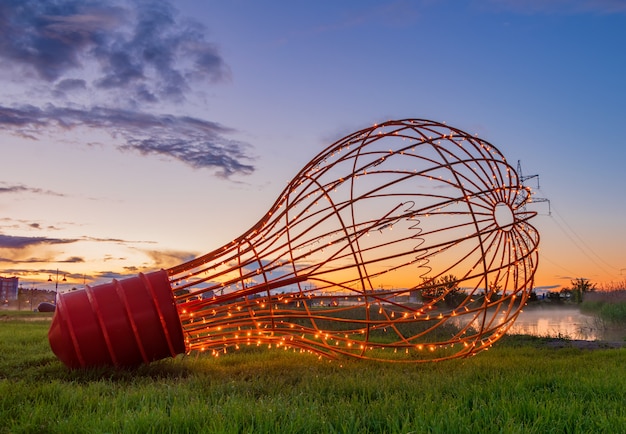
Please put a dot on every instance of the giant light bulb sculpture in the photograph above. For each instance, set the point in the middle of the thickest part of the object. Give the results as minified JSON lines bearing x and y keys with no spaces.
{"x":408,"y":241}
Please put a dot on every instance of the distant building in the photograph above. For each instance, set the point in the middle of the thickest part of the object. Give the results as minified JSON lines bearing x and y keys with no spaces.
{"x":8,"y":289}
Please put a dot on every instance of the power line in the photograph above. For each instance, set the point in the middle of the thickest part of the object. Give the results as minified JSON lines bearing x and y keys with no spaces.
{"x":523,"y":179}
{"x":587,"y":250}
{"x":545,"y":258}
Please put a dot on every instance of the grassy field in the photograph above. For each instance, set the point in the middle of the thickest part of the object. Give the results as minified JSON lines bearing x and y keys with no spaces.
{"x":522,"y":385}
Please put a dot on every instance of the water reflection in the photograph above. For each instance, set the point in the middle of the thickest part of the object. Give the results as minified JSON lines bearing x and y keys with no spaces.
{"x":563,"y":322}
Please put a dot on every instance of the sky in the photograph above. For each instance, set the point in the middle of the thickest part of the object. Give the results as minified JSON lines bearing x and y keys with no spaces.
{"x":136,"y":135}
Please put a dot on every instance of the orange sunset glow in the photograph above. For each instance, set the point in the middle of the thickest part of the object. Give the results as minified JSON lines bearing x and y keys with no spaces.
{"x":138,"y":136}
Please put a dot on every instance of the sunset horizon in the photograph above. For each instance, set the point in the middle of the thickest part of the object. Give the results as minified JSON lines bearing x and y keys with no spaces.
{"x":140,"y":135}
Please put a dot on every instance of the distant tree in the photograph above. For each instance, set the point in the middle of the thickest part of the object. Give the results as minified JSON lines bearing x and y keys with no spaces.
{"x":579,"y":287}
{"x":494,"y":292}
{"x":445,"y":288}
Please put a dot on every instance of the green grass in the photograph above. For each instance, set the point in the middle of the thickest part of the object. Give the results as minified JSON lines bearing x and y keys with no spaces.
{"x":519,"y":386}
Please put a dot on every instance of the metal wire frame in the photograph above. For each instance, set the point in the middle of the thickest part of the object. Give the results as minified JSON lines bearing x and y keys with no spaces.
{"x":406,"y":241}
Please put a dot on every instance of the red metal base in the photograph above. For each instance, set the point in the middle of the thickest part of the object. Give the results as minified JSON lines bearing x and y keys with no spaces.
{"x":122,"y":323}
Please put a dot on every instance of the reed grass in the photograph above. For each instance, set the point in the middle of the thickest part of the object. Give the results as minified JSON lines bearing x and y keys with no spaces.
{"x":519,"y":386}
{"x":611,"y":311}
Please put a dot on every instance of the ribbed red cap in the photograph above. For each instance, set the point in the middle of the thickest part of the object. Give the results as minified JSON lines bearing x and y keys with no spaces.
{"x":122,"y":323}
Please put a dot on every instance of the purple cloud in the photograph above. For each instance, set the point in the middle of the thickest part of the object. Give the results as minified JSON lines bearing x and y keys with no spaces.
{"x":135,"y":47}
{"x":138,"y":51}
{"x":19,"y":188}
{"x":18,"y":242}
{"x":195,"y":142}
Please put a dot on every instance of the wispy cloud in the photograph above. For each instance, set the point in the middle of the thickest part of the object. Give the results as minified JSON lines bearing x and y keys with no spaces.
{"x":115,"y":240}
{"x":22,"y":242}
{"x":16,"y":251}
{"x":19,"y":242}
{"x":546,"y":287}
{"x":559,"y":6}
{"x":110,"y":275}
{"x":40,"y":249}
{"x":167,"y":259}
{"x":33,"y":250}
{"x":6,"y":188}
{"x":9,"y":224}
{"x":73,"y":260}
{"x":130,"y":58}
{"x":396,"y":13}
{"x":196,"y":142}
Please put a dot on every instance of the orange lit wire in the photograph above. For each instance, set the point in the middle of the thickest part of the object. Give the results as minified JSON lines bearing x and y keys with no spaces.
{"x":351,"y":258}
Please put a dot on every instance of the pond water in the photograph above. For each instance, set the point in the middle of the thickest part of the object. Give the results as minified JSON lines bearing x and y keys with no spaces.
{"x":564,"y":322}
